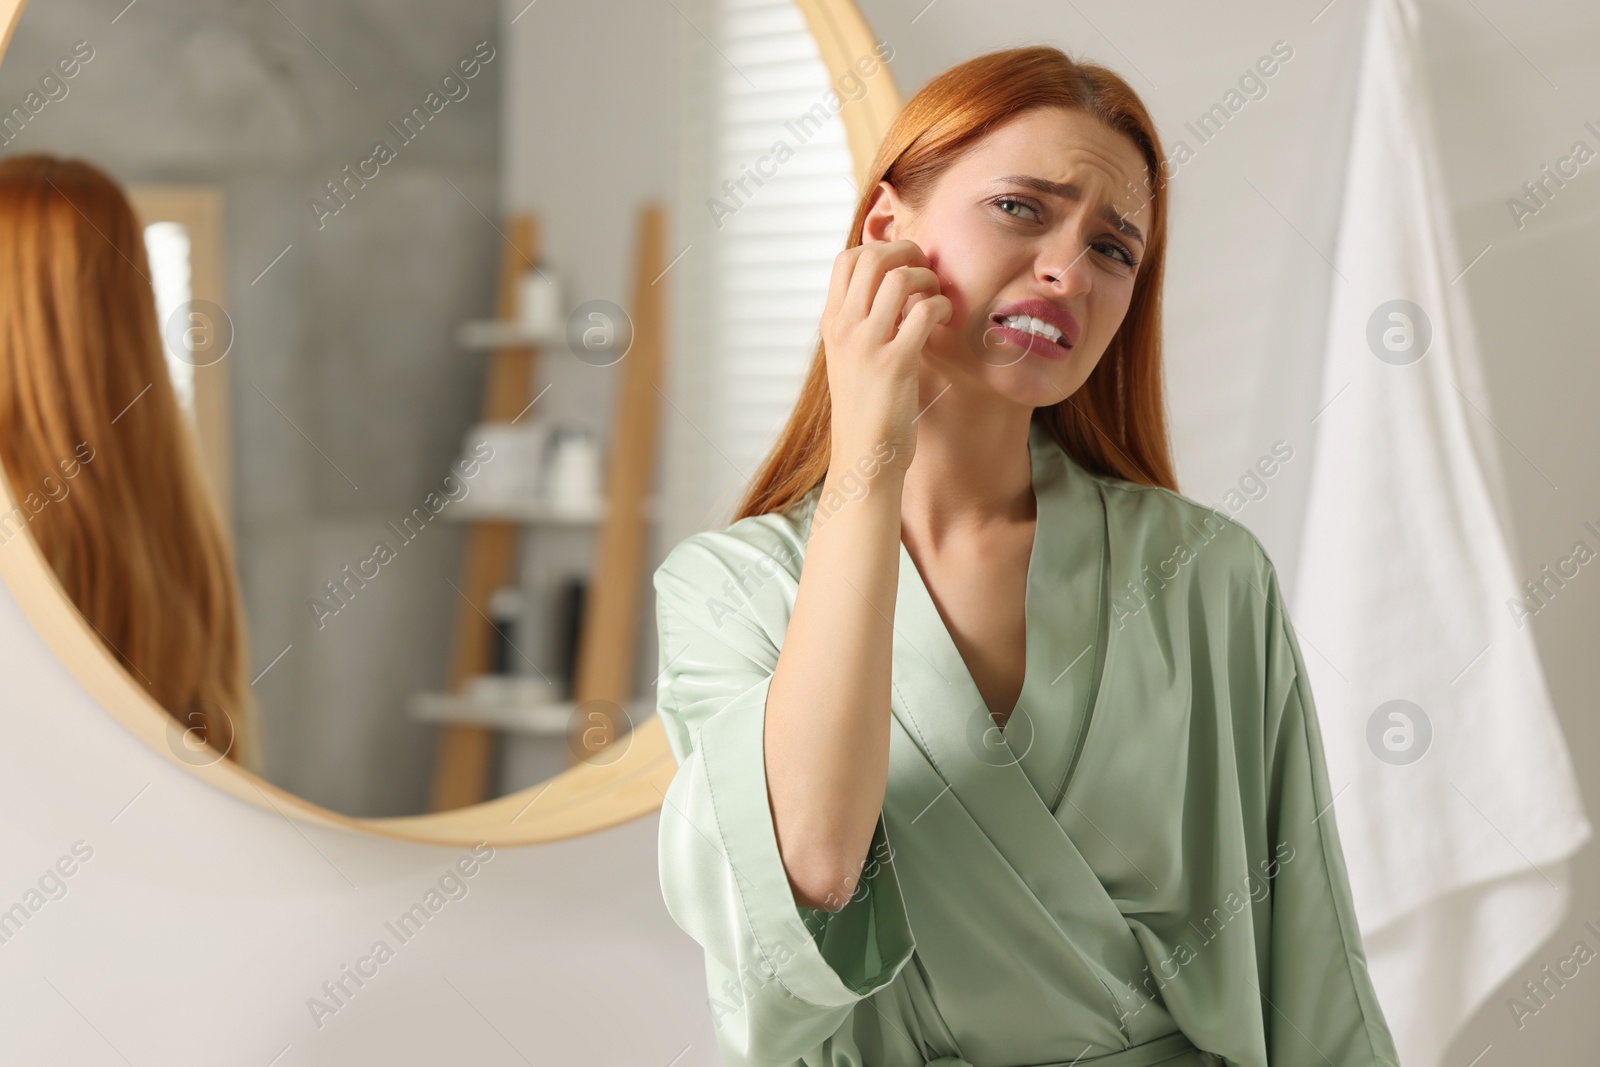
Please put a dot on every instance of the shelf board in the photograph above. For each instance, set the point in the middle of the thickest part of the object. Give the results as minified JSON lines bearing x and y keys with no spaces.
{"x":533,"y":512}
{"x":551,"y":719}
{"x":529,"y":511}
{"x":494,"y":333}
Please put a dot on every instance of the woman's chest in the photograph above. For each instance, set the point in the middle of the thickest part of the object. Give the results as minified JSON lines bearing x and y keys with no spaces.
{"x":980,"y":591}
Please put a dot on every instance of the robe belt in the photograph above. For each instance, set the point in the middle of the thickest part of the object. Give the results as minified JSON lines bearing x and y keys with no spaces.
{"x":1159,"y":1051}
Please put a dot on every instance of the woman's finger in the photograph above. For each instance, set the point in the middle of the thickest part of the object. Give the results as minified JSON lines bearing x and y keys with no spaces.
{"x":844,"y":265}
{"x":930,"y":311}
{"x":890,"y":304}
{"x":876,"y":260}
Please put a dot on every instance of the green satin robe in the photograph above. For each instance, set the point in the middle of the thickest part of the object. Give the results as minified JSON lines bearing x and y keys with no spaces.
{"x":1142,"y":868}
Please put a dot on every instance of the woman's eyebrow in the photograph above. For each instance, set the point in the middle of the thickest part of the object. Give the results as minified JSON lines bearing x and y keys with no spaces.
{"x":1069,"y":191}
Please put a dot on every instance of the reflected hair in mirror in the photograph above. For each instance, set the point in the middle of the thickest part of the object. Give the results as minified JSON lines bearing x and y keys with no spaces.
{"x":98,"y":456}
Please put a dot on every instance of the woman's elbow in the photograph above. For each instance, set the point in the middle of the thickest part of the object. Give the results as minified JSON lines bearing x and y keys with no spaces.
{"x":821,"y":888}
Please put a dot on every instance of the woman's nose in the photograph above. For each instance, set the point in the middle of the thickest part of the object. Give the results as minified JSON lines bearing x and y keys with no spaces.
{"x":1063,"y":268}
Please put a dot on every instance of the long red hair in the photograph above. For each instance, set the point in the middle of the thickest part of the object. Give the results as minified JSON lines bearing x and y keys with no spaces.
{"x":98,"y":455}
{"x":1115,"y":424}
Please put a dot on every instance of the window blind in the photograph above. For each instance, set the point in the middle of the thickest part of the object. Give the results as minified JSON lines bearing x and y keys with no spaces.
{"x":768,"y":194}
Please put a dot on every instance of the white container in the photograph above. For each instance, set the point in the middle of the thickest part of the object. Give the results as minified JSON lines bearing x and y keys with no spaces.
{"x":512,"y":475}
{"x":540,"y":305}
{"x":572,"y":475}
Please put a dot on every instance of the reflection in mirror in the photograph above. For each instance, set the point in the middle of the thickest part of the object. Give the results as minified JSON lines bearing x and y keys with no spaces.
{"x":99,"y":452}
{"x":394,"y":266}
{"x":167,"y":245}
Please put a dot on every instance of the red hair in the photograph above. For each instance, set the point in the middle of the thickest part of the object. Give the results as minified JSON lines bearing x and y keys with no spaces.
{"x":1115,"y":424}
{"x":89,"y":419}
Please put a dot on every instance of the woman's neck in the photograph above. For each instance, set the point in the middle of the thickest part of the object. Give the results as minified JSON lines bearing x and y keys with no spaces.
{"x":972,"y":469}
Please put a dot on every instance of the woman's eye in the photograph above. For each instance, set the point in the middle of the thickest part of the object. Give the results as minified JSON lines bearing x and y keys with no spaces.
{"x":1004,"y":200}
{"x":1119,"y":251}
{"x":1126,"y":258}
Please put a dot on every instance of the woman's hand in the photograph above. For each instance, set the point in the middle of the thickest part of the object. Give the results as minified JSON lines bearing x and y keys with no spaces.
{"x":826,"y":731}
{"x":883,"y":302}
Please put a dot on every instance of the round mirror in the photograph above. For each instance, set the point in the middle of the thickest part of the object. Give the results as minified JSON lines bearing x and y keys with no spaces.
{"x":412,"y":337}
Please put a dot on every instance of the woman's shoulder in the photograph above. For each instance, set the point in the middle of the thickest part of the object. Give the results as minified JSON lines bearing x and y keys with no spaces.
{"x":754,"y":548}
{"x":1160,"y":524}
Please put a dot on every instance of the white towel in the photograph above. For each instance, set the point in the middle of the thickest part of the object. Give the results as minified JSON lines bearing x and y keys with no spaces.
{"x":1456,"y":858}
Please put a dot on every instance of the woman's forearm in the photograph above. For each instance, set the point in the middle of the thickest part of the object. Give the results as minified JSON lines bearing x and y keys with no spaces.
{"x":827,"y":714}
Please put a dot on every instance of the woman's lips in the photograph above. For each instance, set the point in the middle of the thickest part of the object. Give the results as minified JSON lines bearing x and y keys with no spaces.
{"x":1024,"y":338}
{"x":1038,"y":344}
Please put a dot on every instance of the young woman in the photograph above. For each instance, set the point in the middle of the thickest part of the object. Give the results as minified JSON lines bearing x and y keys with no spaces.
{"x":100,"y":464}
{"x":1021,"y":766}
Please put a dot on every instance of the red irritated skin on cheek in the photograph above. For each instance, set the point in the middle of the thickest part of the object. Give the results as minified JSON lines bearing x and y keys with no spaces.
{"x":1044,"y":217}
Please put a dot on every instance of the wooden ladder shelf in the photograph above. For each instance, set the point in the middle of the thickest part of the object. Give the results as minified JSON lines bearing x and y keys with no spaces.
{"x":608,"y":644}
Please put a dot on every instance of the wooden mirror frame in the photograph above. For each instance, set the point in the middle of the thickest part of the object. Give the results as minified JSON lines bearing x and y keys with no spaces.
{"x":581,"y":800}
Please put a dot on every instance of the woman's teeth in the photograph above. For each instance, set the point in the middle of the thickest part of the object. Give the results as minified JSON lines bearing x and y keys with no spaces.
{"x":1032,"y":325}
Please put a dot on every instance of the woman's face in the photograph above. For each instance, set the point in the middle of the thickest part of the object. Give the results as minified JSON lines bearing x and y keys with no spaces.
{"x":1031,"y":212}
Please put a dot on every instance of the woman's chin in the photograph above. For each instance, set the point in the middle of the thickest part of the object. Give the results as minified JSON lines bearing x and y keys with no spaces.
{"x":1005,"y":370}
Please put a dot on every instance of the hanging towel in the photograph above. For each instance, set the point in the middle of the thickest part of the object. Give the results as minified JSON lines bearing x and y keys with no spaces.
{"x":1455,"y":794}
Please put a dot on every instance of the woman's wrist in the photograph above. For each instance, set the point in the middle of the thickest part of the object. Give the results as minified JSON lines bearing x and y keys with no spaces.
{"x":875,"y":463}
{"x":863,"y":485}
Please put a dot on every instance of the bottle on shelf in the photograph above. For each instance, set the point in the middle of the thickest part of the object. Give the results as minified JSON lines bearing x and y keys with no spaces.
{"x":571,"y":621}
{"x":505,"y":614}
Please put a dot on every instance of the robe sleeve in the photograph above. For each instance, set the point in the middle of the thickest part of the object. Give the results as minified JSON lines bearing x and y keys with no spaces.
{"x":1318,"y":1001}
{"x":783,"y":980}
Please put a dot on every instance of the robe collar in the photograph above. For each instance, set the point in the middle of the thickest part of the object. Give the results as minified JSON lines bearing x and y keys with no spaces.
{"x":1067,"y":636}
{"x":1014,"y":785}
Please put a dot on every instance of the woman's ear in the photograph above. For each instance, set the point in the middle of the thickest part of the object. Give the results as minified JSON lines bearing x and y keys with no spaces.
{"x":882,"y":210}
